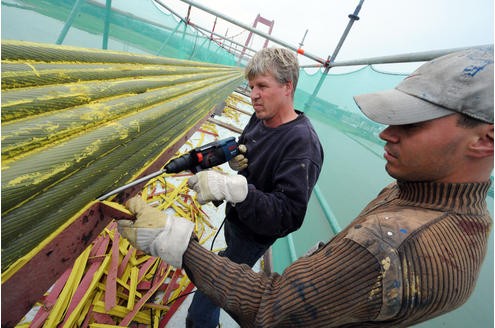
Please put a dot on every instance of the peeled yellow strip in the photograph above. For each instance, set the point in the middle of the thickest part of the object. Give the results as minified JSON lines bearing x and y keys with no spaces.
{"x":58,"y":310}
{"x":121,"y":311}
{"x":75,"y":314}
{"x":85,"y":310}
{"x":173,"y":195}
{"x":183,"y":283}
{"x":132,"y":288}
{"x":102,"y":325}
{"x":204,"y":239}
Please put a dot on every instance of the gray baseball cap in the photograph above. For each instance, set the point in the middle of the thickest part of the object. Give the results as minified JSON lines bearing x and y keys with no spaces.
{"x":458,"y":82}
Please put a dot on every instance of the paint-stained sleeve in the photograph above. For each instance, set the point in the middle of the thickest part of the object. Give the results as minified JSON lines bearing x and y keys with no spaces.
{"x":338,"y":284}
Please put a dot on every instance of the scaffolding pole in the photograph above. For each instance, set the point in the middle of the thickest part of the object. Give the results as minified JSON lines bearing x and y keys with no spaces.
{"x":352,"y":18}
{"x":249,"y":28}
{"x":222,"y":37}
{"x":185,"y":20}
{"x":69,"y":21}
{"x":106,"y":26}
{"x":401,"y":58}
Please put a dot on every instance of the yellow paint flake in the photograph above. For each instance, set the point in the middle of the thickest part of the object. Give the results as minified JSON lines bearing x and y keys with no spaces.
{"x":25,"y":178}
{"x":89,"y":151}
{"x":34,"y":69}
{"x":386,"y":263}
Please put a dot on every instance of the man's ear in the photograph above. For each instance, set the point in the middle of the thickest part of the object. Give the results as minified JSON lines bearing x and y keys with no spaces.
{"x":482,"y":146}
{"x":289,"y":85}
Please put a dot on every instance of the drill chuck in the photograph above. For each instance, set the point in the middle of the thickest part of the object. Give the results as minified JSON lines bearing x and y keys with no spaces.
{"x":179,"y":164}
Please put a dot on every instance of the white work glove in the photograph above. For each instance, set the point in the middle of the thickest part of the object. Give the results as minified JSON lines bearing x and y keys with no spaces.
{"x":211,"y":185}
{"x":156,"y":233}
{"x":240,"y":162}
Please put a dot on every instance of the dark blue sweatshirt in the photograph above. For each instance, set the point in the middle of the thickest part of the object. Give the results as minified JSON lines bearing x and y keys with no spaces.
{"x":284,"y":165}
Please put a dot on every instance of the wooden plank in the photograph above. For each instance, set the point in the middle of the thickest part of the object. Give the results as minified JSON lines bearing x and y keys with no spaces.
{"x":225,"y":125}
{"x":240,"y":110}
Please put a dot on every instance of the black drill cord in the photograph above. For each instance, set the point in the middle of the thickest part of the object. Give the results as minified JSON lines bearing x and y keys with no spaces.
{"x":213,"y":241}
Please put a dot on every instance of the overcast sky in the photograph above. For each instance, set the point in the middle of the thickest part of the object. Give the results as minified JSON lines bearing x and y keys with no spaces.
{"x":385,"y":27}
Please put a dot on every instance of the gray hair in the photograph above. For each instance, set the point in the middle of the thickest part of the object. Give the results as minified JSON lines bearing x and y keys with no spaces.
{"x":280,"y":62}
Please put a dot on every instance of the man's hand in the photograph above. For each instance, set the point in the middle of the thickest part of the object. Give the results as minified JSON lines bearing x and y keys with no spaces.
{"x":211,"y":185}
{"x":155,"y":232}
{"x":240,"y":162}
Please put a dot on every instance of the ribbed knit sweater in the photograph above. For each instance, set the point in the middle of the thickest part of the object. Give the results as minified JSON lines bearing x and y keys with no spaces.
{"x":413,"y":253}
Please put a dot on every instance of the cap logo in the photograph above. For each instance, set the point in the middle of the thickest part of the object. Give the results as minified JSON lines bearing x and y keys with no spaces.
{"x":473,"y":70}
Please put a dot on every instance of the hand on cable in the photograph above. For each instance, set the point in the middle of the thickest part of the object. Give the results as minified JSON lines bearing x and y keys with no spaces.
{"x":240,"y":162}
{"x":212,"y":185}
{"x":156,"y":233}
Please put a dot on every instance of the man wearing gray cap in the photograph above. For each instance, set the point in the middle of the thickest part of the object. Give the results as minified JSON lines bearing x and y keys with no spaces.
{"x":414,"y":252}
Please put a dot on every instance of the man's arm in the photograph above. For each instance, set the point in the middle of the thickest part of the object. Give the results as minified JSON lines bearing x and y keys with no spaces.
{"x":340,"y":283}
{"x":337,"y":285}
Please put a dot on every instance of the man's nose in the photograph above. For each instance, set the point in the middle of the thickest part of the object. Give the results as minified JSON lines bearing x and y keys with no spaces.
{"x":390,"y":134}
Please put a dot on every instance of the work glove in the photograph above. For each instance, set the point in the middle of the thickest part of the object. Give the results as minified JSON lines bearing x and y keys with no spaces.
{"x":240,"y":162}
{"x":155,"y":232}
{"x":211,"y":185}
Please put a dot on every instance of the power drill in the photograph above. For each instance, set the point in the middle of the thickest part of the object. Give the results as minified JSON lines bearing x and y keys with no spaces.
{"x":197,"y":159}
{"x":204,"y":157}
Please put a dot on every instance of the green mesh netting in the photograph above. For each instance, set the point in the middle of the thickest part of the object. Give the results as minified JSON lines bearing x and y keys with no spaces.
{"x":82,"y":23}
